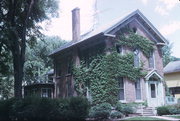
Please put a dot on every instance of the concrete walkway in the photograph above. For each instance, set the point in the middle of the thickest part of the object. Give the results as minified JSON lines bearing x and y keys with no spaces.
{"x":166,"y":118}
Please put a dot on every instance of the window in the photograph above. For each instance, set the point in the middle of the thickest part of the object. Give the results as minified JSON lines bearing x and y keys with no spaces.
{"x":138,"y":89}
{"x":121,"y":88}
{"x":151,"y":60}
{"x":69,"y":66}
{"x":134,"y":29}
{"x":68,"y":88}
{"x":58,"y":69}
{"x":153,"y":91}
{"x":119,"y":49}
{"x":136,"y":58}
{"x":46,"y":92}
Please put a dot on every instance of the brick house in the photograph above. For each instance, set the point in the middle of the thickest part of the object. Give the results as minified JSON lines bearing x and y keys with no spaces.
{"x":148,"y":88}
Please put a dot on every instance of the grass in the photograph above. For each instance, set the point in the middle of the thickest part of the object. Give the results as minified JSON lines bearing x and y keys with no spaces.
{"x":145,"y":118}
{"x":174,"y":116}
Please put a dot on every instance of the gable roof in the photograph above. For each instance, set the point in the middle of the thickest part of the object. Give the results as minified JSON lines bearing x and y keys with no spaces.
{"x":172,"y":67}
{"x":108,"y":28}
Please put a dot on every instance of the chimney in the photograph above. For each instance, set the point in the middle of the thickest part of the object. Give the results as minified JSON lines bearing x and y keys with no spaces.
{"x":75,"y":24}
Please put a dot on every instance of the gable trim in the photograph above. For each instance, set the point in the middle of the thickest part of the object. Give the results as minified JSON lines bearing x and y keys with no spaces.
{"x":143,"y":18}
{"x":153,"y":72}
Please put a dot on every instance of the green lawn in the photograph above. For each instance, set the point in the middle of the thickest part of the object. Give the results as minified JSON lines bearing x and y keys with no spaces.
{"x":174,"y":116}
{"x":145,"y":118}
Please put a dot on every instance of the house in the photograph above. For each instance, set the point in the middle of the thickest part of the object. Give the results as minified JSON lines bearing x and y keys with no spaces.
{"x":42,"y":88}
{"x":148,"y":89}
{"x":172,"y":77}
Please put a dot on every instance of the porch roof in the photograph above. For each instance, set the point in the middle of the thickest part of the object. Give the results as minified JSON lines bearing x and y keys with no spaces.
{"x":153,"y":72}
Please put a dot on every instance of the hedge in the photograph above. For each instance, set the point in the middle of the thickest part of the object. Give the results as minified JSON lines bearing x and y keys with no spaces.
{"x":35,"y":108}
{"x":168,"y":110}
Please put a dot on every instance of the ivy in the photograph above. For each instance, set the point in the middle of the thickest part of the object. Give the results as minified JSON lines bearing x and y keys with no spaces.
{"x":101,"y":76}
{"x":130,"y":39}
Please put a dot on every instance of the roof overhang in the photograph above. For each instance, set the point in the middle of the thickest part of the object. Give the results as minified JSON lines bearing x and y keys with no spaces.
{"x":107,"y":32}
{"x":137,"y":12}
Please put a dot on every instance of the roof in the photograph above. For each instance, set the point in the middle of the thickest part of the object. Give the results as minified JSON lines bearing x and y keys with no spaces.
{"x":172,"y":67}
{"x":109,"y":27}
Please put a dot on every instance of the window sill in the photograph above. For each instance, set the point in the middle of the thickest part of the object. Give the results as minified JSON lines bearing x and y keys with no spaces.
{"x":58,"y":77}
{"x":68,"y":75}
{"x":139,"y":101}
{"x":123,"y":101}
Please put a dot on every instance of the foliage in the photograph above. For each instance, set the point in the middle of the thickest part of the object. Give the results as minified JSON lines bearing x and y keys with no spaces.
{"x":102,"y":75}
{"x":37,"y":61}
{"x":127,"y":38}
{"x":19,"y":27}
{"x":6,"y":73}
{"x":163,"y":110}
{"x":167,"y":54}
{"x":125,"y":108}
{"x":35,"y":108}
{"x":168,"y":110}
{"x":116,"y":114}
{"x":100,"y":111}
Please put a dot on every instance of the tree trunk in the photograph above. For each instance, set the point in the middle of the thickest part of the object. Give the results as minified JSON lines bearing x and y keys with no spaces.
{"x":18,"y":76}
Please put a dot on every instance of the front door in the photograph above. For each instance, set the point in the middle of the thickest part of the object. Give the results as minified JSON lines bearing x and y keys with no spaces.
{"x":153,"y":95}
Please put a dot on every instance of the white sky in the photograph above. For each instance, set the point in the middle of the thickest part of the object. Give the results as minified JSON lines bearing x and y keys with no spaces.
{"x":62,"y":26}
{"x":163,"y":14}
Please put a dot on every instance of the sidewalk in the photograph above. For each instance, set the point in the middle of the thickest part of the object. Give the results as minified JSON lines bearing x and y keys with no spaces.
{"x":166,"y":118}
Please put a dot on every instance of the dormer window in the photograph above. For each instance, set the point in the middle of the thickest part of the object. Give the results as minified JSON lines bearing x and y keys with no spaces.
{"x":119,"y":49}
{"x":136,"y":58}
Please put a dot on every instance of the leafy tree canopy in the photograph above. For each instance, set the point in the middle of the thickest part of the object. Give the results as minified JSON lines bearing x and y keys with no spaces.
{"x":19,"y":27}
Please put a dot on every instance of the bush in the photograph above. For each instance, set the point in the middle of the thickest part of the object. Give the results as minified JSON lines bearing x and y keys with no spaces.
{"x":35,"y":108}
{"x":163,"y":110}
{"x":101,"y":111}
{"x":168,"y":110}
{"x":116,"y":114}
{"x":124,"y":108}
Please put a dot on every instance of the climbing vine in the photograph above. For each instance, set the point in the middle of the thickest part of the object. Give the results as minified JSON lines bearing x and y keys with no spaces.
{"x":101,"y":76}
{"x":126,"y":37}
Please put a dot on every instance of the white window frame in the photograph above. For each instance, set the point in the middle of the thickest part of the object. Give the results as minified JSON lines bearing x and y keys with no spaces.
{"x":122,"y":52}
{"x":46,"y":92}
{"x":139,"y":100}
{"x":138,"y":55}
{"x":153,"y":61}
{"x":124,"y":82}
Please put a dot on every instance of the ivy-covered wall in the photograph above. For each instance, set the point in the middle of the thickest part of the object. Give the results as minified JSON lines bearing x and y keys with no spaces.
{"x":101,"y":77}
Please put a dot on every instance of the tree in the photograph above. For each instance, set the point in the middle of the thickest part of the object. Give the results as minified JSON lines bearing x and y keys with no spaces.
{"x":37,"y":61}
{"x":18,"y":26}
{"x":167,"y":57}
{"x":6,"y":73}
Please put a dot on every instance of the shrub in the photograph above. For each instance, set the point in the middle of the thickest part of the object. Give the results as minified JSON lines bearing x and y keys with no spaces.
{"x":124,"y":108}
{"x":35,"y":108}
{"x":78,"y":108}
{"x":5,"y":109}
{"x":116,"y":114}
{"x":163,"y":110}
{"x":101,"y":111}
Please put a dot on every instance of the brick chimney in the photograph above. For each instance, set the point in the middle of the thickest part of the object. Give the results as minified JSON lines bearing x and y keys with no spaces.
{"x":76,"y":24}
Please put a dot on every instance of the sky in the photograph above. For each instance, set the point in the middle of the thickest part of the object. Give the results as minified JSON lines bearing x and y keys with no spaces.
{"x":163,"y":14}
